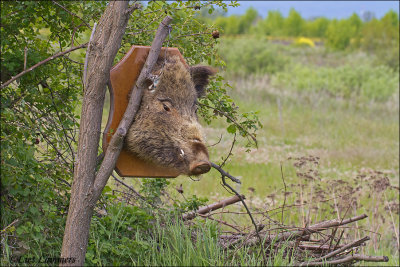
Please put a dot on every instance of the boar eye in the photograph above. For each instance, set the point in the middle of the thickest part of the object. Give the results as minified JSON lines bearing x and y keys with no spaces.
{"x":167,"y":102}
{"x":166,"y":108}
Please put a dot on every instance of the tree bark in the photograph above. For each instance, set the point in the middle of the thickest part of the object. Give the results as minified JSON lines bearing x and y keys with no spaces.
{"x":87,"y":185}
{"x":104,"y":46}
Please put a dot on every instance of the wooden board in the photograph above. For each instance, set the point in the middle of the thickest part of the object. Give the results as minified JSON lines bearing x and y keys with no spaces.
{"x":123,"y":76}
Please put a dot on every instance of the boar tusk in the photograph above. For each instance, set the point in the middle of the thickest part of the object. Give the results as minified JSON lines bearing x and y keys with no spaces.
{"x":182,"y":153}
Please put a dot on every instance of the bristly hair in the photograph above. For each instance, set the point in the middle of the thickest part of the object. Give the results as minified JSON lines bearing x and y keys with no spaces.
{"x":200,"y":76}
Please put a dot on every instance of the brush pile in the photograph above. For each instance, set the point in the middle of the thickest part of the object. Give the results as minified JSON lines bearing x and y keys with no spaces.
{"x":318,"y":244}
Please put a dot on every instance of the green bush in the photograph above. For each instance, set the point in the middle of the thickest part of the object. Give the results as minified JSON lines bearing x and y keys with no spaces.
{"x":366,"y":81}
{"x":113,"y":237}
{"x":256,"y":57}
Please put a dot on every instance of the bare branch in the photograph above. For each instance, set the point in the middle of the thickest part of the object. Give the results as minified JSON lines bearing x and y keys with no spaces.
{"x":74,"y":61}
{"x":245,"y":206}
{"x":41,"y":63}
{"x":230,"y":151}
{"x":25,"y":56}
{"x":284,"y":194}
{"x":115,"y":145}
{"x":224,"y":173}
{"x":193,"y":34}
{"x":353,"y":244}
{"x":302,"y":232}
{"x":73,"y":33}
{"x":211,"y":207}
{"x":72,"y":13}
{"x":355,"y":257}
{"x":132,"y":189}
{"x":45,"y":85}
{"x":220,"y":221}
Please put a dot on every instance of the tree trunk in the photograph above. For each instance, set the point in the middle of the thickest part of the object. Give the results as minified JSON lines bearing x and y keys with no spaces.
{"x":104,"y":46}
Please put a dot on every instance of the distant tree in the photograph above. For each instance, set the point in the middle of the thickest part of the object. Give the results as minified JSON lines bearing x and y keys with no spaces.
{"x":381,"y":37}
{"x":229,"y":25}
{"x":247,"y":20}
{"x":316,"y":27}
{"x":272,"y":24}
{"x":294,"y":23}
{"x":355,"y":24}
{"x":391,"y":19}
{"x":343,"y":33}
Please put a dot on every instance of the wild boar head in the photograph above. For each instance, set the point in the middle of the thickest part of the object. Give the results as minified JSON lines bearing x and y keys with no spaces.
{"x":166,"y":129}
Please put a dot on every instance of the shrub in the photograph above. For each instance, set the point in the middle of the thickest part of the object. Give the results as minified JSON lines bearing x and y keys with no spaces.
{"x":256,"y":57}
{"x":366,"y":81}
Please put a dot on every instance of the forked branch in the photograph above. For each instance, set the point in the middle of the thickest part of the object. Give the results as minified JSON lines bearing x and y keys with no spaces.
{"x":115,"y":145}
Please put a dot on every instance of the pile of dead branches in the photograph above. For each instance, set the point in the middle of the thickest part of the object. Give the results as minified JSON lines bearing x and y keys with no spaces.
{"x":318,"y":244}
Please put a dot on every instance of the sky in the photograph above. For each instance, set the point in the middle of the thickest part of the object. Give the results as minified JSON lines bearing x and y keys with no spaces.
{"x":309,"y":9}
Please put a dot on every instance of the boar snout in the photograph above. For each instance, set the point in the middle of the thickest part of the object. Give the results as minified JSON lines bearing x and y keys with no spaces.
{"x":200,"y":163}
{"x":199,"y":167}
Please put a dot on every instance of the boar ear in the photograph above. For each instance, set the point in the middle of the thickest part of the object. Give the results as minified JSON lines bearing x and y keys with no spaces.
{"x":200,"y":75}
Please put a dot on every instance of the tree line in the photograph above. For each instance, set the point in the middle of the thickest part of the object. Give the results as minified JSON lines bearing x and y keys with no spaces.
{"x":366,"y":32}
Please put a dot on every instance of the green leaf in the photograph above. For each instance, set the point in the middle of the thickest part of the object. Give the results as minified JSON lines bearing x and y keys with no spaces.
{"x":231,"y":129}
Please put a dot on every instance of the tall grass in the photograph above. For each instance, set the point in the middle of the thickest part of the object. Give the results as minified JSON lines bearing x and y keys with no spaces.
{"x":339,"y":106}
{"x":167,"y":242}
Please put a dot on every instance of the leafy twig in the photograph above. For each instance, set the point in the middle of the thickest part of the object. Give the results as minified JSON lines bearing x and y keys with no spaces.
{"x":41,"y":63}
{"x":232,"y":120}
{"x":72,"y":13}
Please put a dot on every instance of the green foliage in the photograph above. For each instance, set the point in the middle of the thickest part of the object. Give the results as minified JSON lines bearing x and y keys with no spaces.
{"x":217,"y":103}
{"x":378,"y":37}
{"x":237,"y":24}
{"x":343,"y":33}
{"x":317,"y":27}
{"x":294,"y":24}
{"x":272,"y":24}
{"x":367,"y":82}
{"x":264,"y":58}
{"x":39,"y":123}
{"x":381,"y":37}
{"x":192,"y":204}
{"x":153,"y":188}
{"x":112,"y":237}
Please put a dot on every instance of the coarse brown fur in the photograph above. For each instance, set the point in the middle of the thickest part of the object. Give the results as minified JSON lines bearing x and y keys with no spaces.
{"x":166,"y":130}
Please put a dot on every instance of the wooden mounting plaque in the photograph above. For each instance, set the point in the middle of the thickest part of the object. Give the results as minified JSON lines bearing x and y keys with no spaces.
{"x":123,"y":76}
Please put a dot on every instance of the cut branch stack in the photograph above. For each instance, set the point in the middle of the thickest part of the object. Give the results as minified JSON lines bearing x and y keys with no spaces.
{"x":313,"y":245}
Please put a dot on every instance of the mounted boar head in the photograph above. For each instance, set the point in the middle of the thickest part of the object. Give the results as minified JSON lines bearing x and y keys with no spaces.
{"x":166,"y":129}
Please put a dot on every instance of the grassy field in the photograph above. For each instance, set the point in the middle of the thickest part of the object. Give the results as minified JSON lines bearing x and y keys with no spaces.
{"x":330,"y":121}
{"x":339,"y":107}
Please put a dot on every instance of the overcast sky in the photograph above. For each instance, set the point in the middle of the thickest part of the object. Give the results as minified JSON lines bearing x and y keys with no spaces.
{"x":309,"y":9}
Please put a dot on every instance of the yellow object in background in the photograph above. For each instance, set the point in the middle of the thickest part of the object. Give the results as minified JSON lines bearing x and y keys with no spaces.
{"x":304,"y":41}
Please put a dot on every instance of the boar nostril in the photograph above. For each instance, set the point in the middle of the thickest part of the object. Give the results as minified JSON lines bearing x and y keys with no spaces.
{"x":200,"y":167}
